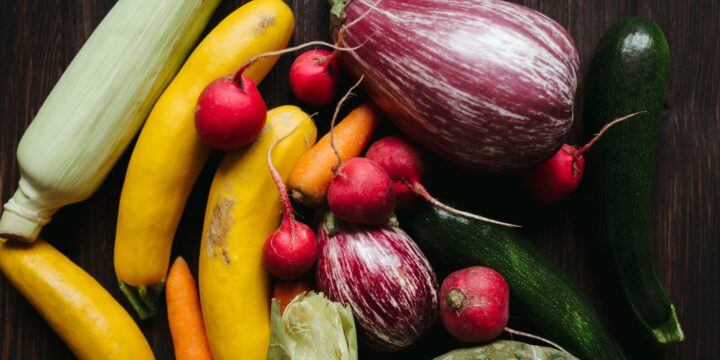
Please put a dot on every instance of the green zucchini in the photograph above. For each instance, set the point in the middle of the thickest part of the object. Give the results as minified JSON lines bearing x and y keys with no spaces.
{"x":540,"y":292}
{"x":629,"y":73}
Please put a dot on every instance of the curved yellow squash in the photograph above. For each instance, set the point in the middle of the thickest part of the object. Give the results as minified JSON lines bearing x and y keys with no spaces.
{"x":82,"y":313}
{"x":243,"y":210}
{"x":169,"y":155}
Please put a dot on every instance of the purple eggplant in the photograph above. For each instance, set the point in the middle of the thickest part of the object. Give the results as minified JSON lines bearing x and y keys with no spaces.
{"x":486,"y":84}
{"x":383,"y":276}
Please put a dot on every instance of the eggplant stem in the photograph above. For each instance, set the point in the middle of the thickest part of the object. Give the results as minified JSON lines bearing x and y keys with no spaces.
{"x":420,"y":190}
{"x":334,"y":118}
{"x":538,"y":338}
{"x":330,"y":223}
{"x":341,"y":33}
{"x":602,"y":131}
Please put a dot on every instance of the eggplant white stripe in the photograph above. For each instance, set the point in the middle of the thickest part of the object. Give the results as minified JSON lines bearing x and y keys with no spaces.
{"x":382,"y":275}
{"x":487,"y":84}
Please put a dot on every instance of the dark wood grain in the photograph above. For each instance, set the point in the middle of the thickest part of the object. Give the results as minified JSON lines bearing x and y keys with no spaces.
{"x":38,"y":39}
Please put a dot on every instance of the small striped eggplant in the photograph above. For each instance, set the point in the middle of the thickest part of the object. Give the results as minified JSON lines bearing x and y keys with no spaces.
{"x":383,"y":276}
{"x":486,"y":84}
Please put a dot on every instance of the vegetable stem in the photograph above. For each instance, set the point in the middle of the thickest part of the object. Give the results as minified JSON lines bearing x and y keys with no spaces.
{"x":257,"y":57}
{"x":330,"y":223}
{"x":538,"y":338}
{"x":420,"y":190}
{"x":670,"y":331}
{"x":288,"y":211}
{"x":334,"y":118}
{"x":602,"y":131}
{"x":142,"y":298}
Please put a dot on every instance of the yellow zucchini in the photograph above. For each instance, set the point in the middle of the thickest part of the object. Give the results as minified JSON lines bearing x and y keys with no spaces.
{"x":169,"y":154}
{"x":82,"y":313}
{"x":98,"y":105}
{"x":243,"y":210}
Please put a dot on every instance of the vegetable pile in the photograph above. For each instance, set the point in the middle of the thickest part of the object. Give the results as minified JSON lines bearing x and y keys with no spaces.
{"x":485,"y":85}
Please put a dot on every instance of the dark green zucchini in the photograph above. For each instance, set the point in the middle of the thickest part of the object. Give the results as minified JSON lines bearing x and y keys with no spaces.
{"x":629,"y":73}
{"x":540,"y":292}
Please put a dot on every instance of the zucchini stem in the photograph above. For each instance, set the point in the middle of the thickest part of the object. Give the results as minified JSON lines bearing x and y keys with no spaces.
{"x":142,"y":298}
{"x":669,"y":332}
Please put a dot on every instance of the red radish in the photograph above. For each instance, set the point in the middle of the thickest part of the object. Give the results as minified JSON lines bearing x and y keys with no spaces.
{"x":361,"y":192}
{"x":558,"y":177}
{"x":291,"y":251}
{"x":315,"y":74}
{"x":405,"y":164}
{"x":405,"y":197}
{"x":230,"y":113}
{"x":474,"y":304}
{"x":314,"y":77}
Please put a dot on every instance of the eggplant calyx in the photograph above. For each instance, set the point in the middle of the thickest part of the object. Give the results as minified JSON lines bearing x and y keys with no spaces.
{"x":330,"y":223}
{"x":393,"y":221}
{"x":337,"y":12}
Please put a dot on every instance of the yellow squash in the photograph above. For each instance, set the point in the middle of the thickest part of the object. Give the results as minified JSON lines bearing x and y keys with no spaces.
{"x":82,"y":313}
{"x":243,"y":209}
{"x":169,"y":155}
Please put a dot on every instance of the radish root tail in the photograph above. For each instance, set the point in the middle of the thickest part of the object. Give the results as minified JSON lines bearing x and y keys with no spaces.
{"x":538,"y":338}
{"x":420,"y":190}
{"x":366,"y":13}
{"x":288,"y":211}
{"x":334,"y":118}
{"x":255,"y":58}
{"x":602,"y":131}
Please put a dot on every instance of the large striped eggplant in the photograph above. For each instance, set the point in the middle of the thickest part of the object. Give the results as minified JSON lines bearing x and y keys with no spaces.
{"x":383,"y":276}
{"x":486,"y":84}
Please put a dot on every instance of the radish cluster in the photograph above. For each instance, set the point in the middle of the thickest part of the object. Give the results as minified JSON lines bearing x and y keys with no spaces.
{"x":406,"y":165}
{"x":367,"y":190}
{"x":230,"y":112}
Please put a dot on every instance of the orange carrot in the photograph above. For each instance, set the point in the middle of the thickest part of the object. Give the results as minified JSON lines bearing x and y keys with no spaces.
{"x":184,"y":314}
{"x":285,"y":291}
{"x":311,"y":176}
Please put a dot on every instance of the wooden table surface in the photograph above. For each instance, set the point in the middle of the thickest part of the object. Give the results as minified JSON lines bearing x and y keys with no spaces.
{"x":38,"y":39}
